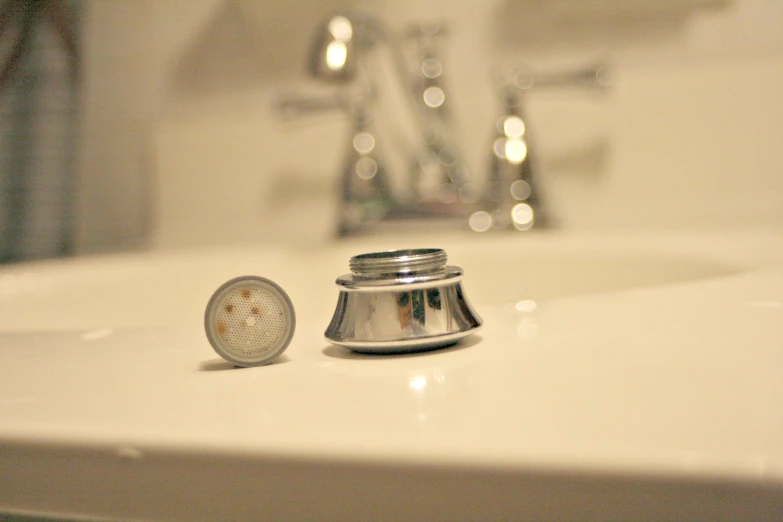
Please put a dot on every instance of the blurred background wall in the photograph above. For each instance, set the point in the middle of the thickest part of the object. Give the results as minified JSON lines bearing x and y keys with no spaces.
{"x":180,"y":146}
{"x":39,"y":126}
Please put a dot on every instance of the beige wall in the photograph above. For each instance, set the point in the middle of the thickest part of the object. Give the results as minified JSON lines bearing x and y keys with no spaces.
{"x":182,"y":148}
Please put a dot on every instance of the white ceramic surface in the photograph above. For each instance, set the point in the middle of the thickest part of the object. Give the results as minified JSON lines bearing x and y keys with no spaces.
{"x":633,"y":378}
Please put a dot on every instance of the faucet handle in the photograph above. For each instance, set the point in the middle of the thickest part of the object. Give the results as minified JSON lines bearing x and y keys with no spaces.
{"x":596,"y":77}
{"x":289,"y":106}
{"x":295,"y":106}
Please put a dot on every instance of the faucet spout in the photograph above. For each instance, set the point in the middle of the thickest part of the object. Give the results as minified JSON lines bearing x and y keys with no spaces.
{"x":430,"y":162}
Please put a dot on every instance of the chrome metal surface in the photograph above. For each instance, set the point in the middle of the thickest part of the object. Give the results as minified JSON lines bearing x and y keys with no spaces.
{"x":430,"y":180}
{"x":421,"y":263}
{"x":433,"y":181}
{"x":598,"y":77}
{"x":512,"y":198}
{"x":401,"y":301}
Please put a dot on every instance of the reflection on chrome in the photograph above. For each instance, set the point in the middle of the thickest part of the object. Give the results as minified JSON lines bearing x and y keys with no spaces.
{"x":520,"y":190}
{"x":514,"y":127}
{"x":363,"y":142}
{"x":336,"y":55}
{"x":436,"y":181}
{"x":431,"y":68}
{"x":512,"y":176}
{"x":366,"y":168}
{"x":515,"y":151}
{"x":522,"y":214}
{"x":499,"y":148}
{"x":480,"y":221}
{"x":524,"y":79}
{"x":418,"y":383}
{"x":341,"y":28}
{"x":604,"y":76}
{"x":434,"y":97}
{"x":401,"y":301}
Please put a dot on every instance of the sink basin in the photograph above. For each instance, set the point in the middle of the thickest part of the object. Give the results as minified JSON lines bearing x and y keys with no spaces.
{"x":173,"y":288}
{"x":613,"y":379}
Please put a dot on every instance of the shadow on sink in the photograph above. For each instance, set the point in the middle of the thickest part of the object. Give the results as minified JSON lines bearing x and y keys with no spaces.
{"x":338,"y":352}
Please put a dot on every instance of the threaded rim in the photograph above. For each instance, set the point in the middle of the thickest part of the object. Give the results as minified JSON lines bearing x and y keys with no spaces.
{"x":394,"y":263}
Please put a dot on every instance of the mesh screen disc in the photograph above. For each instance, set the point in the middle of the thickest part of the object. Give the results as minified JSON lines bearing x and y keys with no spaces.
{"x":249,"y":321}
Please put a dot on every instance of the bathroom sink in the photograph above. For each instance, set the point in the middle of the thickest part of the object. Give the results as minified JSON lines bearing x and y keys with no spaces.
{"x":614,"y":378}
{"x":158,"y":289}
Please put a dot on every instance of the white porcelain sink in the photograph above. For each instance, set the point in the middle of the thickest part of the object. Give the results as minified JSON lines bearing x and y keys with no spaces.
{"x":172,"y":289}
{"x":614,"y":378}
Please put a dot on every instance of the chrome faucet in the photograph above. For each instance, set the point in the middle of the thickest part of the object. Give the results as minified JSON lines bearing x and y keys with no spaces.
{"x":342,"y":54}
{"x":438,"y":183}
{"x":512,"y":197}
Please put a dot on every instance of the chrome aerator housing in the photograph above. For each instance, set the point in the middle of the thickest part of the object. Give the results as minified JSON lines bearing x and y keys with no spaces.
{"x":401,"y":301}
